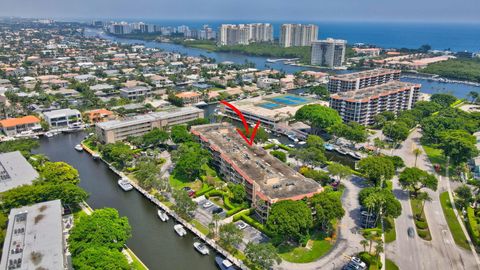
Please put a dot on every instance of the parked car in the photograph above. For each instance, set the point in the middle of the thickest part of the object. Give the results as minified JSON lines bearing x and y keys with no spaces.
{"x":217,"y":210}
{"x":241,"y":225}
{"x":207,"y":204}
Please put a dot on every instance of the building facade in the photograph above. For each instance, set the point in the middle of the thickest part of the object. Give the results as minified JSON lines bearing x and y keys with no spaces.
{"x":231,"y":34}
{"x":63,"y":118}
{"x":298,"y":34}
{"x":359,"y":80}
{"x":266,"y":179}
{"x":329,"y":52}
{"x":362,"y":105}
{"x":136,"y":92}
{"x":244,"y":34}
{"x":118,"y":130}
{"x":14,"y":126}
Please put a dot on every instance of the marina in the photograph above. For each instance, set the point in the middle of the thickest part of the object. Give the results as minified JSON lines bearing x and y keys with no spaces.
{"x":152,"y":241}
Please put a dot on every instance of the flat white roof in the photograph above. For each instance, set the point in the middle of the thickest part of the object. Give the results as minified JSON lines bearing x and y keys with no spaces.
{"x":60,"y":113}
{"x":15,"y":171}
{"x":35,"y":233}
{"x":139,"y":119}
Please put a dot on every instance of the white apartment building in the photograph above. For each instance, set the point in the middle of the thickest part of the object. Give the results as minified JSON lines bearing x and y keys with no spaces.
{"x":136,"y":92}
{"x":117,"y":130}
{"x":63,"y":118}
{"x":329,"y":52}
{"x":260,"y":32}
{"x":244,"y":34}
{"x":298,"y":34}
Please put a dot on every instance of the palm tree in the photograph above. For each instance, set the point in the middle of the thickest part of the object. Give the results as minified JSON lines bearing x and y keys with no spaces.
{"x":378,"y":249}
{"x":423,"y":197}
{"x":474,"y":96}
{"x":364,"y":243}
{"x":417,"y":152}
{"x":215,"y":220}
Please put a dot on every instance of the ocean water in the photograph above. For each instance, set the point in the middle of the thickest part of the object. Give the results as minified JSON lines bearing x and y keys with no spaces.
{"x":441,"y":36}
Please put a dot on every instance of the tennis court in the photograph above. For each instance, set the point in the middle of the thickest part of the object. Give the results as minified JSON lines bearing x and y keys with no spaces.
{"x":269,"y":105}
{"x":290,"y":100}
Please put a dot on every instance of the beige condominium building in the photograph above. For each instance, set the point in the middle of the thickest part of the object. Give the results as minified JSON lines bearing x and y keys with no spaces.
{"x":362,"y":105}
{"x":298,"y":34}
{"x":267,"y":180}
{"x":118,"y":130}
{"x":363,"y":79}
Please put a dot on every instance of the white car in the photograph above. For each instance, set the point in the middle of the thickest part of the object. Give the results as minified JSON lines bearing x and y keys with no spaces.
{"x":207,"y":204}
{"x":241,"y":225}
{"x":358,"y":262}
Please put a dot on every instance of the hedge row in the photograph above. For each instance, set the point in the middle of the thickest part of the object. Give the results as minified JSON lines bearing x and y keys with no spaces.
{"x":269,"y":146}
{"x":234,"y":211}
{"x":472,"y":226}
{"x":213,"y":193}
{"x":227,"y":203}
{"x":204,"y":191}
{"x":284,"y":147}
{"x":257,"y":225}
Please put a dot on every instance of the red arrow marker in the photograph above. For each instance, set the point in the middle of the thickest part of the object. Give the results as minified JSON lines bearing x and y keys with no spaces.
{"x":245,"y":124}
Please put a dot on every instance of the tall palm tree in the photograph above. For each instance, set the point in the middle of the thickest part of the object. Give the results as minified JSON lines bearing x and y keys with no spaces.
{"x":378,"y":249}
{"x":417,"y":152}
{"x":364,"y":244}
{"x":423,"y":197}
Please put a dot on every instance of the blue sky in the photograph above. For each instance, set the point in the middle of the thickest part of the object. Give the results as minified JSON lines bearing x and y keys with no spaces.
{"x":265,"y":10}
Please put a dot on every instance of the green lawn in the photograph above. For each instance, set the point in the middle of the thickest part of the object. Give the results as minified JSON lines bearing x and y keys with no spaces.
{"x":179,"y":184}
{"x":390,"y":265}
{"x":319,"y":248}
{"x":452,"y":221}
{"x":200,"y":227}
{"x":390,"y":233}
{"x":422,"y":225}
{"x":436,"y":157}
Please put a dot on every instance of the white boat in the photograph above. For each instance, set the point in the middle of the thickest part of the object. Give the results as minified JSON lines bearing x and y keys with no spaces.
{"x":78,"y":147}
{"x":162,"y":215}
{"x":202,"y":248}
{"x":302,"y":142}
{"x":223,"y":263}
{"x":341,"y":150}
{"x":125,"y":184}
{"x":48,"y":134}
{"x":180,"y":230}
{"x":355,"y":155}
{"x":95,"y":156}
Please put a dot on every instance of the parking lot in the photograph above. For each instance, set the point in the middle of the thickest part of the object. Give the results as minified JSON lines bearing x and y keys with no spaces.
{"x":250,"y":234}
{"x":204,"y":213}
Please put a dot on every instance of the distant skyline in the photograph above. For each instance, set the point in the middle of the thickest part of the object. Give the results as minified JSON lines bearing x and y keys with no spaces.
{"x":264,"y":10}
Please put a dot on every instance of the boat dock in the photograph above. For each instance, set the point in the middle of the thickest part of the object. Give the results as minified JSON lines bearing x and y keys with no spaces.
{"x":174,"y":215}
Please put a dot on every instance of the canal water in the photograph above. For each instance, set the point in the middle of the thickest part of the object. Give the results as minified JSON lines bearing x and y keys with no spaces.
{"x":153,"y":241}
{"x":428,"y":86}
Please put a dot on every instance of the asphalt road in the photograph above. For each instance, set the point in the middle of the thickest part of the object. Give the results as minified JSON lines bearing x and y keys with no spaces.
{"x":415,"y":253}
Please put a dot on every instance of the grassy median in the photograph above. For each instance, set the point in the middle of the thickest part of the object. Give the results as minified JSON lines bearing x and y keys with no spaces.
{"x":455,"y":228}
{"x":420,"y":219}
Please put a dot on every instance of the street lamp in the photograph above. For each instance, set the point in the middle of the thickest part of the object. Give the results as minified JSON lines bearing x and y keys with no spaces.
{"x":333,"y":265}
